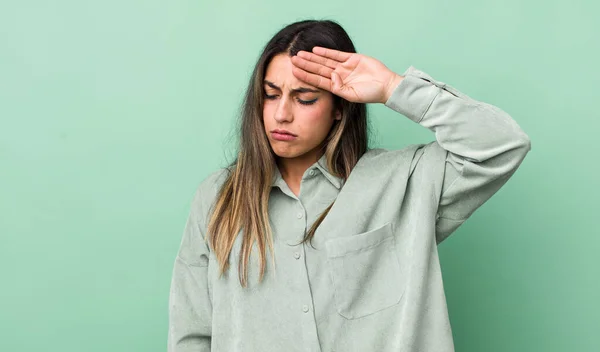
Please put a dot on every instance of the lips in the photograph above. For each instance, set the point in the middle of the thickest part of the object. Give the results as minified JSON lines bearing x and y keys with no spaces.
{"x":283,"y":132}
{"x":282,"y":137}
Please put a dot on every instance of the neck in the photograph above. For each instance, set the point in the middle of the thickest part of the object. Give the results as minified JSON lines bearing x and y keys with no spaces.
{"x":292,"y":169}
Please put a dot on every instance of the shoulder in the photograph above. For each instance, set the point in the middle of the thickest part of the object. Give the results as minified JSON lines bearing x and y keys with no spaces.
{"x":213,"y":181}
{"x":390,"y":157}
{"x":208,"y":189}
{"x":425,"y":154}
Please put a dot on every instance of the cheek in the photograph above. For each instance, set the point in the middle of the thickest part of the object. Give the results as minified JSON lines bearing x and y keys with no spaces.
{"x":316,"y":115}
{"x":266,"y":112}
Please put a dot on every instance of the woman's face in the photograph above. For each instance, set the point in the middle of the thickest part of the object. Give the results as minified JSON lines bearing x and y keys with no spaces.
{"x":293,"y":105}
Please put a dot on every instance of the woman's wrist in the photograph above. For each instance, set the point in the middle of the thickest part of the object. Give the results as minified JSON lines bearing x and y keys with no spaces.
{"x":391,"y":86}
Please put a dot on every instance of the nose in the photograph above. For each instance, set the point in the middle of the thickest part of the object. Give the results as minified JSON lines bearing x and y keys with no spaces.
{"x":283,"y":112}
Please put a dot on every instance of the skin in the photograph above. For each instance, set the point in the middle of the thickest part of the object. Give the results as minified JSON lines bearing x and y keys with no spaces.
{"x":352,"y":76}
{"x":283,"y":109}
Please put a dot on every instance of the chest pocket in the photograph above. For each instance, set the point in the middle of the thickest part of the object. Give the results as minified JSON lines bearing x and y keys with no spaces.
{"x":365,"y":272}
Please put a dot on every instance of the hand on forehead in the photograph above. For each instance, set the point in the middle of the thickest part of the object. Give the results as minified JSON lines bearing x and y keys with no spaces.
{"x":280,"y":75}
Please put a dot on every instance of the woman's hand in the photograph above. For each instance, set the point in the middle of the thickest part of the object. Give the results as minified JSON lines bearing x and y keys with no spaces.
{"x":355,"y":77}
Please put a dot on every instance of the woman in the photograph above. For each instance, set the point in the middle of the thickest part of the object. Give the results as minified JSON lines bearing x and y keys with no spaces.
{"x":352,"y":231}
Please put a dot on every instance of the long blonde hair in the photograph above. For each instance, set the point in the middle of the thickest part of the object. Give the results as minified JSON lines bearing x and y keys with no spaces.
{"x":242,"y":201}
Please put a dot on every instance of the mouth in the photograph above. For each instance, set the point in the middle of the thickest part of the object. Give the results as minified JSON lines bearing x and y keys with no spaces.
{"x":284,"y":137}
{"x":284,"y":132}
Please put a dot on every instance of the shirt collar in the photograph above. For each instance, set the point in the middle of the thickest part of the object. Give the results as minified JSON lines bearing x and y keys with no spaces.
{"x":320,"y":165}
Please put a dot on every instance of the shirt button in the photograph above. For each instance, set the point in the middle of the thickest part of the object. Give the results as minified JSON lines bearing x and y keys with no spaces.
{"x":297,"y":255}
{"x":305,"y":308}
{"x":312,"y":172}
{"x":299,"y":215}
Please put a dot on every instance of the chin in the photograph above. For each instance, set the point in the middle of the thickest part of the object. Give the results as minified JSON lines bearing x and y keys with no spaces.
{"x":286,"y":153}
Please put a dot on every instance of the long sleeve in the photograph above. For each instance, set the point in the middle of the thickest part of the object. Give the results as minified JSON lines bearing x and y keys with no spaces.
{"x":484,"y":145}
{"x":190,"y":304}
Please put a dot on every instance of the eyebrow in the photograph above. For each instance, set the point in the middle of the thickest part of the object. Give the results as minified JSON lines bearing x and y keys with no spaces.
{"x":295,"y":90}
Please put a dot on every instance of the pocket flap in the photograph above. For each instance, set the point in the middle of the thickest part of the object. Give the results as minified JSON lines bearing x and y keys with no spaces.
{"x":340,"y":246}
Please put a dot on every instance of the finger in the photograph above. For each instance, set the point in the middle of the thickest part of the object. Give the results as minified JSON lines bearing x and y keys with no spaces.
{"x":336,"y":55}
{"x":336,"y":83}
{"x":312,"y":79}
{"x":318,"y":59}
{"x":312,"y":67}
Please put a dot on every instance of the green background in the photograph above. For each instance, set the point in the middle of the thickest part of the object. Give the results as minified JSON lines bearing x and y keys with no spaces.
{"x":112,"y":112}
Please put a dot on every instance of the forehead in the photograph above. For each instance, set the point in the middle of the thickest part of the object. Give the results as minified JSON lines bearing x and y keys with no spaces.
{"x":279,"y":71}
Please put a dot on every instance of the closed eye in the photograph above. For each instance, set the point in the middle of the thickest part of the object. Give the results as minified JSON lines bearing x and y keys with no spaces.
{"x":303,"y":102}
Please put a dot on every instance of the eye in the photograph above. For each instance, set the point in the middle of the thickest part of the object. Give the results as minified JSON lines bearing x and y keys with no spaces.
{"x":300,"y":101}
{"x":307,"y":102}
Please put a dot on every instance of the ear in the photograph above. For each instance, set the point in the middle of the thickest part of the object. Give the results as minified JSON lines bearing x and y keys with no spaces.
{"x":338,"y":114}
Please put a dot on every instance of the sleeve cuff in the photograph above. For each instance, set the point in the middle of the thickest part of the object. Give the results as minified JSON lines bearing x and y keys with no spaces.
{"x":414,"y":94}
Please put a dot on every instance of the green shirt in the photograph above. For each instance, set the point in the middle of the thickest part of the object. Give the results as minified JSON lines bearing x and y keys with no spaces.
{"x":373,"y":281}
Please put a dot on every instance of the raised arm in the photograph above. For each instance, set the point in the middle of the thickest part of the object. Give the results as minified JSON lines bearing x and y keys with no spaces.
{"x":481,"y":144}
{"x":484,"y":145}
